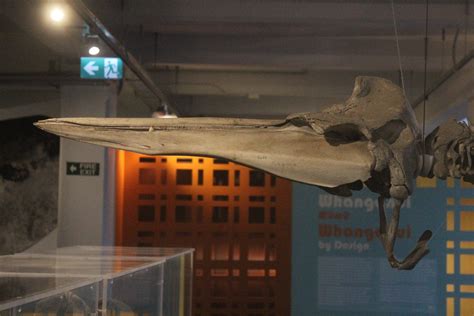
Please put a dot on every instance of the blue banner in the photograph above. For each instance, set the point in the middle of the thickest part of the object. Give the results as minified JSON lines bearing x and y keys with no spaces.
{"x":347,"y":270}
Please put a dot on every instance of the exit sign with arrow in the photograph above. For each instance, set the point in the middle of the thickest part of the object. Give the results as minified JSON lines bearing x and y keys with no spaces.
{"x":82,"y":168}
{"x":106,"y":68}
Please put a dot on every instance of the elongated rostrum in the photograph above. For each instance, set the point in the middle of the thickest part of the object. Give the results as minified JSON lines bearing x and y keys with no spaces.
{"x":371,"y":139}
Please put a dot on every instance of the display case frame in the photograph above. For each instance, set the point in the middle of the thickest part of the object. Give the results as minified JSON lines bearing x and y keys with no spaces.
{"x":154,"y":281}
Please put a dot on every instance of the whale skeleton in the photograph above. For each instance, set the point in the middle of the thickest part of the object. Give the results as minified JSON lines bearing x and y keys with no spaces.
{"x":371,"y":139}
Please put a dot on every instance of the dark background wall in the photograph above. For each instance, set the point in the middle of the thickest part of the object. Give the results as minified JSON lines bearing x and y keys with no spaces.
{"x":28,"y":184}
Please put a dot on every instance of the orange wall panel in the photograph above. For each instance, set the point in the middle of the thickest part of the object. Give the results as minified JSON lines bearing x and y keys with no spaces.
{"x":238,"y":220}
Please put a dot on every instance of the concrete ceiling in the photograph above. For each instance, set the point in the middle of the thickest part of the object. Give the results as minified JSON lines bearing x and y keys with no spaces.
{"x":37,"y":57}
{"x":263,"y":58}
{"x":247,"y":58}
{"x":354,"y":35}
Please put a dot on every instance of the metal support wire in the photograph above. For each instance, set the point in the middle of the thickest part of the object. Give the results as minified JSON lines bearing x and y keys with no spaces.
{"x":425,"y":76}
{"x":398,"y":49}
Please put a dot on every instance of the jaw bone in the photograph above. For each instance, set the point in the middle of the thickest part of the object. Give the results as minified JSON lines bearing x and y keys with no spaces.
{"x":372,"y":138}
{"x":279,"y":147}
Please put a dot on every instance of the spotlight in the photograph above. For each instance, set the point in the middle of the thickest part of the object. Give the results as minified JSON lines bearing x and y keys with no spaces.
{"x":159,"y":114}
{"x":92,"y":44}
{"x":94,"y":50}
{"x":163,"y":112}
{"x":56,"y":14}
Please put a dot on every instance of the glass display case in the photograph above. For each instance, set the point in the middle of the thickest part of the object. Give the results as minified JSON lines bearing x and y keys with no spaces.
{"x":125,"y":280}
{"x":47,"y":294}
{"x":178,"y":269}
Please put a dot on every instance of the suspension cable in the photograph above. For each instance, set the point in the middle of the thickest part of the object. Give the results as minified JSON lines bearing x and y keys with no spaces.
{"x":395,"y":27}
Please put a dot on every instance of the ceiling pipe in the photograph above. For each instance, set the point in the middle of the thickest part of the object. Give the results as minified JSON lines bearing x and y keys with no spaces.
{"x":90,"y":18}
{"x":448,"y":74}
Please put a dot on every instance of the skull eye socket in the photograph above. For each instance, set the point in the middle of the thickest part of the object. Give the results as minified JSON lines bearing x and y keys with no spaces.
{"x":343,"y":134}
{"x":390,"y":131}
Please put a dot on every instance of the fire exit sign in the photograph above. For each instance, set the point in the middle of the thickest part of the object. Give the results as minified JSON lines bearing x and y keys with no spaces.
{"x":82,"y":168}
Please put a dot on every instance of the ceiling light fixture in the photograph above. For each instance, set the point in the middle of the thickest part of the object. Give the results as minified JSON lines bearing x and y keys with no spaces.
{"x":163,"y":112}
{"x":57,"y":14}
{"x":94,"y":50}
{"x":92,"y":44}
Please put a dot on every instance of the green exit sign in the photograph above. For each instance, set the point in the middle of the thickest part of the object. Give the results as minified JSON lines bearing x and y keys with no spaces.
{"x":106,"y":68}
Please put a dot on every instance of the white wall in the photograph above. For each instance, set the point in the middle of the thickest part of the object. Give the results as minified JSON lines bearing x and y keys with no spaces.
{"x":86,"y":205}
